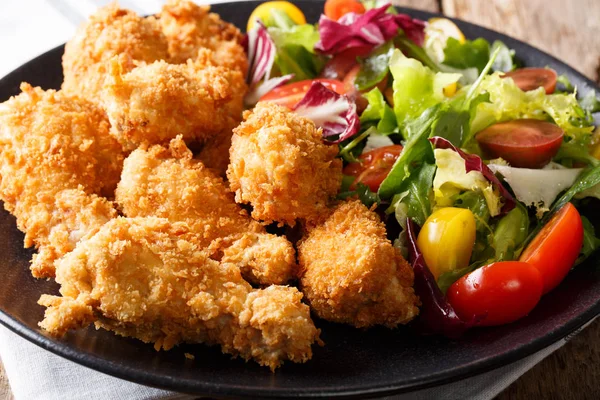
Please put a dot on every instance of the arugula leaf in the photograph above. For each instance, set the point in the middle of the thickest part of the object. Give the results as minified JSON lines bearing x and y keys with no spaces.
{"x":446,"y":279}
{"x":454,"y":123}
{"x":415,"y":200}
{"x":511,"y":231}
{"x":364,"y":194}
{"x":374,"y":68}
{"x":417,"y":149}
{"x":351,"y":148}
{"x":590,"y":241}
{"x":475,"y":201}
{"x":505,"y":60}
{"x":378,"y":110}
{"x":469,"y":54}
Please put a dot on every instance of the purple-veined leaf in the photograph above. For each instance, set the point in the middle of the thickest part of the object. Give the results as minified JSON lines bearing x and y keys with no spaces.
{"x":475,"y":163}
{"x":366,"y":31}
{"x":334,"y":113}
{"x":437,"y":315}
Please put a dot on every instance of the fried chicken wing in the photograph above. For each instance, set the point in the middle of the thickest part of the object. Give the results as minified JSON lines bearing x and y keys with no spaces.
{"x":280,"y":165}
{"x":141,"y":277}
{"x":169,"y":183}
{"x":55,"y":153}
{"x":190,"y":28}
{"x":351,"y":273}
{"x":156,"y":102}
{"x":110,"y":32}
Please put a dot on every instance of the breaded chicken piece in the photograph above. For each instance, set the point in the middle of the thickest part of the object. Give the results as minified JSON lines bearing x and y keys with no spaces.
{"x":169,"y":183}
{"x":214,"y":154}
{"x":141,"y":277}
{"x":55,"y":151}
{"x":280,"y":165}
{"x":110,"y":32}
{"x":190,"y":28}
{"x":156,"y":102}
{"x":351,"y":273}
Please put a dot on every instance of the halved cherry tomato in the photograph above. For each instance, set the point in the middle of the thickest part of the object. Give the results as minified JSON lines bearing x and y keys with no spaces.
{"x":498,"y":293}
{"x":335,"y":9}
{"x":533,"y":78}
{"x":289,"y":95}
{"x":554,"y":250}
{"x":373,"y":166}
{"x":524,"y":143}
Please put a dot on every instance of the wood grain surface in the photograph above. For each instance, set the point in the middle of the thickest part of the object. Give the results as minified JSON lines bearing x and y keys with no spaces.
{"x":569,"y":30}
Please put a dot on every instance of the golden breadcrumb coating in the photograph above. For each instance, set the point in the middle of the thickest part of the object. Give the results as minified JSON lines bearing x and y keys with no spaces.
{"x":190,"y":28}
{"x":280,"y":165}
{"x":214,"y":154}
{"x":351,"y":273}
{"x":110,"y":32}
{"x":140,"y":277}
{"x":169,"y":183}
{"x":49,"y":143}
{"x":156,"y":102}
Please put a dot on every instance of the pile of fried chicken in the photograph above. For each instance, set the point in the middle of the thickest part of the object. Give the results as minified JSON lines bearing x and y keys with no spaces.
{"x":118,"y":180}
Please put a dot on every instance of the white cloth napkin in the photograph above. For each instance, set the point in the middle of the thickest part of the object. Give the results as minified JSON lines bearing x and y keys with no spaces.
{"x":27,"y":29}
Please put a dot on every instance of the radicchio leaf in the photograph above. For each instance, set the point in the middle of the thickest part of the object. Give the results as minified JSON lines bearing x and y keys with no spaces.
{"x":366,"y":31}
{"x":437,"y":315}
{"x":474,"y":163}
{"x":261,"y":56}
{"x":334,"y":113}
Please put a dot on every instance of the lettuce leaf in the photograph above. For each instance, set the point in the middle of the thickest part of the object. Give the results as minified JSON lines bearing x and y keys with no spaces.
{"x":469,"y":54}
{"x":380,"y":112}
{"x":508,"y":102}
{"x":416,"y":87}
{"x":415,"y":199}
{"x":375,"y":67}
{"x":295,"y":51}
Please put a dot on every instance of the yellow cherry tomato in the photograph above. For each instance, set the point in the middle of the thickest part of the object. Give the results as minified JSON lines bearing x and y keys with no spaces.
{"x":263,"y":12}
{"x":446,"y":239}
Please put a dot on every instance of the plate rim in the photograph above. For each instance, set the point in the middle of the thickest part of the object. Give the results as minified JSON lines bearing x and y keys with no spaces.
{"x":148,"y":378}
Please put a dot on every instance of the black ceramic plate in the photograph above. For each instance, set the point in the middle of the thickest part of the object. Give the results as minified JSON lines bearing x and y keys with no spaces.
{"x":353,"y":362}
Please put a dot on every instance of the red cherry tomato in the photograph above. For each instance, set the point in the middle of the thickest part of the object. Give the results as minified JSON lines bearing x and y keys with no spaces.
{"x":373,"y":167}
{"x":338,"y":66}
{"x":499,"y":293}
{"x":524,"y":143}
{"x":335,"y":9}
{"x":554,"y":250}
{"x":533,"y":78}
{"x":289,"y":95}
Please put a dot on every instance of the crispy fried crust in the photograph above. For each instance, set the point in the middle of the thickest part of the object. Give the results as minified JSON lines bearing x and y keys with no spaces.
{"x":168,"y":183}
{"x":190,"y":28}
{"x":140,"y":277}
{"x":351,"y":273}
{"x":280,"y":165}
{"x":55,"y":151}
{"x":154,"y":103}
{"x":110,"y":32}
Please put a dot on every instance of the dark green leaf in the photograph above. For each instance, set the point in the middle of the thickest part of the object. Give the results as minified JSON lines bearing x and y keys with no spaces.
{"x":575,"y":151}
{"x":295,"y":59}
{"x":419,"y":192}
{"x":446,"y":279}
{"x":469,"y":54}
{"x":374,"y":68}
{"x":410,"y":49}
{"x":417,"y":150}
{"x":475,"y":201}
{"x":510,"y":233}
{"x":590,"y":241}
{"x":364,"y":194}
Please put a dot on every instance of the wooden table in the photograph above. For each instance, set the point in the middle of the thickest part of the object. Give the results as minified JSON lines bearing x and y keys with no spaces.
{"x":569,"y":31}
